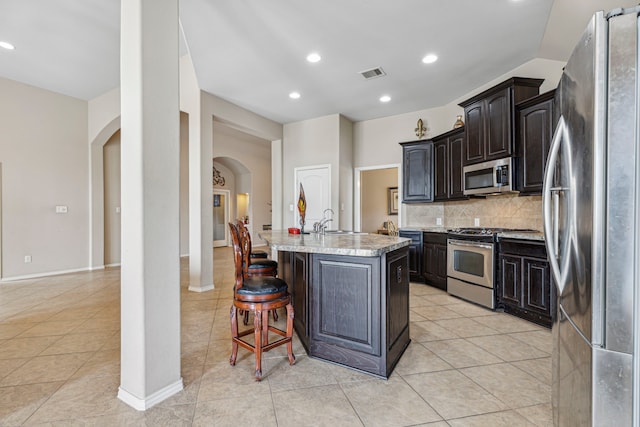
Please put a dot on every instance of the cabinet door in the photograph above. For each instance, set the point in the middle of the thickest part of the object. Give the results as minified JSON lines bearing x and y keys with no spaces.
{"x":498,"y":126}
{"x":429,"y":264}
{"x":537,"y":282}
{"x":475,"y":133}
{"x":441,"y":170}
{"x":535,"y":130}
{"x":456,"y":188}
{"x":511,"y":283}
{"x":345,"y":296}
{"x":413,"y":259}
{"x":397,"y":296}
{"x":418,"y":173}
{"x":441,"y":266}
{"x":300,"y":298}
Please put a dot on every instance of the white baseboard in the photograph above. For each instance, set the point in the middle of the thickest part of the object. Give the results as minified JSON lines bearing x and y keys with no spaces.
{"x":157,"y":397}
{"x":46,"y":274}
{"x":115,"y":264}
{"x":202,"y":288}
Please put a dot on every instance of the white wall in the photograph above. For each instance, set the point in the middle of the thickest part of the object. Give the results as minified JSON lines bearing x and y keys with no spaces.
{"x":184,"y":184}
{"x":255,"y":154}
{"x":112,"y":224}
{"x":44,"y":157}
{"x":345,"y":161}
{"x":320,"y":141}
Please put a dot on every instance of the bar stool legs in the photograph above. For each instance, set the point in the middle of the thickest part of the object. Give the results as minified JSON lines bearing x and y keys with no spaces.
{"x":260,"y":331}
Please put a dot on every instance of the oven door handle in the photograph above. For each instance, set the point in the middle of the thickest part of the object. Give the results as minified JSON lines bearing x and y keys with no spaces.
{"x":473,"y":245}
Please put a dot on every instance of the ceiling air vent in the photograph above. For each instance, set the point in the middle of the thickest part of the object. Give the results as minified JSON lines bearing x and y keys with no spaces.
{"x":373,"y":73}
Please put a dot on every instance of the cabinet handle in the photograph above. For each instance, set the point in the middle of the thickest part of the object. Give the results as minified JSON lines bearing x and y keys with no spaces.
{"x":399,"y":274}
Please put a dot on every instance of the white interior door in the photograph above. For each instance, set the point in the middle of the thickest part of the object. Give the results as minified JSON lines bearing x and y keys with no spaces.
{"x":316,"y":181}
{"x":220,"y":217}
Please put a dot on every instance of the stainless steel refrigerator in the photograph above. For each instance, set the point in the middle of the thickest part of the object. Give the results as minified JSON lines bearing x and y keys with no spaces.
{"x":591,"y":203}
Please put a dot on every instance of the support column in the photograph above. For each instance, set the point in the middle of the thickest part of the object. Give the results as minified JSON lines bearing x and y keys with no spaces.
{"x":201,"y":199}
{"x":150,"y":273}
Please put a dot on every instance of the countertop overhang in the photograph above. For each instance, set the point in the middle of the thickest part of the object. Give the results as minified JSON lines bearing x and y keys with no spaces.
{"x":358,"y":244}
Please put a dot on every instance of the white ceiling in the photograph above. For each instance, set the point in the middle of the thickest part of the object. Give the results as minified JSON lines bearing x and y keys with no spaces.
{"x":252,"y":52}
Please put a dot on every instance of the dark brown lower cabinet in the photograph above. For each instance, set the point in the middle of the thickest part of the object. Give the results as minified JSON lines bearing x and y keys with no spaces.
{"x":525,"y":288}
{"x":351,"y":310}
{"x":293,"y":269}
{"x":415,"y":254}
{"x":434,"y":267}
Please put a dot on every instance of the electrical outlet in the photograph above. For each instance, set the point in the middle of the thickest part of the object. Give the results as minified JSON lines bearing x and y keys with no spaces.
{"x":476,"y":222}
{"x":438,"y":221}
{"x":117,"y":209}
{"x":27,"y":259}
{"x":61,"y":209}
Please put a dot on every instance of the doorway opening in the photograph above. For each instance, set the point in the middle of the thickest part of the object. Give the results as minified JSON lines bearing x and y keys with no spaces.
{"x":221,"y":217}
{"x":374,"y":200}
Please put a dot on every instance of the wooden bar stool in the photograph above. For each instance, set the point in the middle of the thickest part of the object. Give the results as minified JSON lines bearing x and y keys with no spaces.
{"x":259,"y":294}
{"x":254,"y":254}
{"x":253,"y":266}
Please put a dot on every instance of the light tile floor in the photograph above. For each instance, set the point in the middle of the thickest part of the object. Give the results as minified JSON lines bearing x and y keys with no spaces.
{"x":60,"y":365}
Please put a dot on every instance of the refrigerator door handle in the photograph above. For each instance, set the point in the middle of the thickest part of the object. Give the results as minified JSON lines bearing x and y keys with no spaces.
{"x":551,"y":210}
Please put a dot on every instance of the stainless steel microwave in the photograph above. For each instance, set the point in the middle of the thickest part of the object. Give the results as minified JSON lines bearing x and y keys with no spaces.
{"x":494,"y":176}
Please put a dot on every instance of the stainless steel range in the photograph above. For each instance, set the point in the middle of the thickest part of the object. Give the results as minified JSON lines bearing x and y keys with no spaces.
{"x":471,"y":264}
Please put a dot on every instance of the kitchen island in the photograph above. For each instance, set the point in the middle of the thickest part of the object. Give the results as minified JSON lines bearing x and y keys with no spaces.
{"x":350,"y":293}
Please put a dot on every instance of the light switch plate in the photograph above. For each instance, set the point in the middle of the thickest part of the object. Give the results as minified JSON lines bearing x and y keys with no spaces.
{"x":61,"y":209}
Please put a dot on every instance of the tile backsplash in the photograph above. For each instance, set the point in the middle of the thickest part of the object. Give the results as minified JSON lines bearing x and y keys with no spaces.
{"x":508,"y":211}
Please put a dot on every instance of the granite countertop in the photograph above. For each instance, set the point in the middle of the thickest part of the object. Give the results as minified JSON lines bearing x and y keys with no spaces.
{"x":522,"y":235}
{"x":359,"y":244}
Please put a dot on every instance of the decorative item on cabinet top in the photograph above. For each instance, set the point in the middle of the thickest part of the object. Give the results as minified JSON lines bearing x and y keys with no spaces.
{"x":459,"y":123}
{"x":421,"y":129}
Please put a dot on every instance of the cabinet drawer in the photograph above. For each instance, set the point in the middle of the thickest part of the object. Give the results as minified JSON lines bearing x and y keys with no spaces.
{"x":530,"y":248}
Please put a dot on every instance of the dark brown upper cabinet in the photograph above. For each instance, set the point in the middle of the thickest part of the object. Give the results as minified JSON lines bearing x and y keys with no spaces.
{"x":417,"y":171}
{"x":490,"y":119}
{"x":447,"y":165}
{"x":536,"y":123}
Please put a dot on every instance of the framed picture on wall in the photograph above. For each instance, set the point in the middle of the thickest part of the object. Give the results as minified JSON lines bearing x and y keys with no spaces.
{"x":392,"y":200}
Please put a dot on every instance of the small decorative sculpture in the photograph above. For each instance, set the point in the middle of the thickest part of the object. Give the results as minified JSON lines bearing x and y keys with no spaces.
{"x":302,"y":208}
{"x":218,"y":179}
{"x":459,"y":123}
{"x":420,"y":130}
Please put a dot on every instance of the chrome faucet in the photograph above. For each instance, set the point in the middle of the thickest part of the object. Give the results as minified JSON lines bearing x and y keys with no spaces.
{"x":321,"y":226}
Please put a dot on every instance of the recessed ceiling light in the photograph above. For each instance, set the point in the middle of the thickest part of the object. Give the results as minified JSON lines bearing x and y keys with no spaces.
{"x":313,"y":57}
{"x":430,"y":59}
{"x":7,"y":45}
{"x":294,"y":95}
{"x":385,"y":98}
